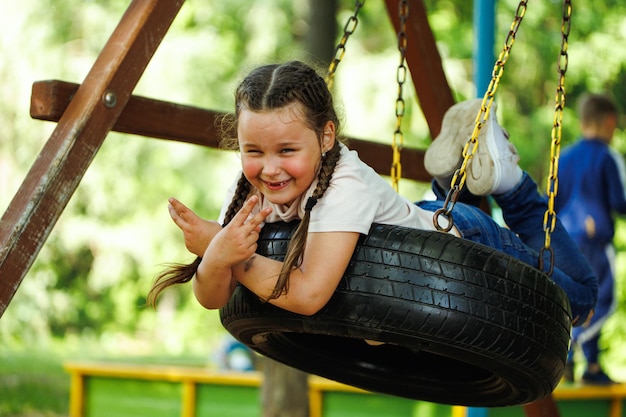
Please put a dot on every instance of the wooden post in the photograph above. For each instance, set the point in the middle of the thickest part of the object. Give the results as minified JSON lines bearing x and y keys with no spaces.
{"x":546,"y":407}
{"x":61,"y":164}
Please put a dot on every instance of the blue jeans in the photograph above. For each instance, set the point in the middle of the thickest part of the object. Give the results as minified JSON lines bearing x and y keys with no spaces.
{"x":523,"y":210}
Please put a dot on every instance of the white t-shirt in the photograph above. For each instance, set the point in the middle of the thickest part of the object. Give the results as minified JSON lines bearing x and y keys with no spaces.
{"x":356,"y":198}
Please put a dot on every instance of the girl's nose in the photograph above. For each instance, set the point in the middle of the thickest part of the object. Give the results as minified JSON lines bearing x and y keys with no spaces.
{"x":271,"y":166}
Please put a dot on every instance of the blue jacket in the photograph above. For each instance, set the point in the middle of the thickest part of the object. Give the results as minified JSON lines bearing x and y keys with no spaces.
{"x":591,"y":190}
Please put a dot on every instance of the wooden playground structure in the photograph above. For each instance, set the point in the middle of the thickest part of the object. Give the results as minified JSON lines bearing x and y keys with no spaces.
{"x":86,"y":113}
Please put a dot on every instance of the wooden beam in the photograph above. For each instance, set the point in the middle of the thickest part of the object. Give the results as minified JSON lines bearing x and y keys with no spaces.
{"x":170,"y":121}
{"x":424,"y":62}
{"x":141,"y":116}
{"x":90,"y":115}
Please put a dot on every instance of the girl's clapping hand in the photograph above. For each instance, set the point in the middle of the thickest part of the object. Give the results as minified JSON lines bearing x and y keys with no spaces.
{"x":197,"y":231}
{"x":237,"y":241}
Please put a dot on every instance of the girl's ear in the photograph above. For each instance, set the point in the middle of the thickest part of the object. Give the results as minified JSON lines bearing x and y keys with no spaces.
{"x":328,"y":137}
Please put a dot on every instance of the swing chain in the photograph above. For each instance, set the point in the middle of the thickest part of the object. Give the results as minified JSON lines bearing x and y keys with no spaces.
{"x":458,"y":179}
{"x":549,"y":218}
{"x":401,"y":76}
{"x":340,"y":50}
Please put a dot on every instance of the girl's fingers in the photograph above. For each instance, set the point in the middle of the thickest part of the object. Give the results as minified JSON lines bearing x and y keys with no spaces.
{"x":176,"y":204}
{"x":173,"y":213}
{"x":243,"y":213}
{"x":181,"y":209}
{"x":180,"y":213}
{"x":261,"y":216}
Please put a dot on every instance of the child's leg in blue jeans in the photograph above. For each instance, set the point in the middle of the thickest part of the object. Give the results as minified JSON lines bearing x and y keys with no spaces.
{"x":523,"y":209}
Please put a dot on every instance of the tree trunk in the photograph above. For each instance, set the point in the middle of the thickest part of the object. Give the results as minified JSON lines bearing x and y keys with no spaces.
{"x":321,"y":38}
{"x":285,"y":391}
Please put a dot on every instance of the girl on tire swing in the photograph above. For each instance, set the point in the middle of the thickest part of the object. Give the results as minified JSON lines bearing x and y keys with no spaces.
{"x":294,"y":167}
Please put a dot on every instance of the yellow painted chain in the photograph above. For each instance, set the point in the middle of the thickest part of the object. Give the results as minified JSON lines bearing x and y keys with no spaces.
{"x":401,"y":75}
{"x":340,"y":50}
{"x":458,"y":179}
{"x":549,"y":218}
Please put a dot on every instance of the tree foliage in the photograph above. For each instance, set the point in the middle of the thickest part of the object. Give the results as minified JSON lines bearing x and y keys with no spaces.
{"x":92,"y":275}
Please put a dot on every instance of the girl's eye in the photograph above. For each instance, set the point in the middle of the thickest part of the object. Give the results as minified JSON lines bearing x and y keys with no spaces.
{"x":287,"y":150}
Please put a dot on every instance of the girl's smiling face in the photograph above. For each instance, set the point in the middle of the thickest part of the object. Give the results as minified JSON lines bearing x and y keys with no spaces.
{"x":280,"y":154}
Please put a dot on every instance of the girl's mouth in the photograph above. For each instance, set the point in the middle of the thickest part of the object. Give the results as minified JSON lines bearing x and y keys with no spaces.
{"x":276,"y":185}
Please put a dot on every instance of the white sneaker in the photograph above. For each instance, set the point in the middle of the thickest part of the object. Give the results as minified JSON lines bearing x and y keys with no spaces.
{"x":494,"y":167}
{"x":445,"y":154}
{"x":492,"y":170}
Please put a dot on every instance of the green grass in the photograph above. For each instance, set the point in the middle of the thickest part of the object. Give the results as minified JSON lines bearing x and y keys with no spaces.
{"x":33,"y":384}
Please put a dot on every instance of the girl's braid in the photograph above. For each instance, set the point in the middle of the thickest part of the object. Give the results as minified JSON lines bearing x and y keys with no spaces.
{"x":241,"y":194}
{"x":326,"y":171}
{"x":297,"y":244}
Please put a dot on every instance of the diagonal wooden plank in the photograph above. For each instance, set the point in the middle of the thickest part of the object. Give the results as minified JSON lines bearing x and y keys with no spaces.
{"x":171,"y":121}
{"x":61,"y":164}
{"x":424,"y":62}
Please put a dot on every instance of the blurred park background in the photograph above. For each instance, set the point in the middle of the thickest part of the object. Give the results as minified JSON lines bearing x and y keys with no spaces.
{"x":84,"y":296}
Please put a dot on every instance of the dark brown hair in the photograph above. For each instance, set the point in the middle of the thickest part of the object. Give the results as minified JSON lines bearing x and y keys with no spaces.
{"x":272,"y":87}
{"x":594,"y":108}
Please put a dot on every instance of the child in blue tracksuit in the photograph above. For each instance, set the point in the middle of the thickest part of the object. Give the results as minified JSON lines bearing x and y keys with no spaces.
{"x":592,"y":189}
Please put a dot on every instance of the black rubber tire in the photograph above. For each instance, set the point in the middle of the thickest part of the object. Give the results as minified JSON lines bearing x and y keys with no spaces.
{"x":462,"y":323}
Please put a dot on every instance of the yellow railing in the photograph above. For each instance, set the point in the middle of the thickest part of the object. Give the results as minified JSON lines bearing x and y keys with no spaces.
{"x":190,"y":377}
{"x":616,"y":394}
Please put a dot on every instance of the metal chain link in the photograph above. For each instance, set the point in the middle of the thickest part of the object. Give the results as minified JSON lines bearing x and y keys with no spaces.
{"x":340,"y":50}
{"x":458,"y":179}
{"x":401,"y":76}
{"x":549,"y":218}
